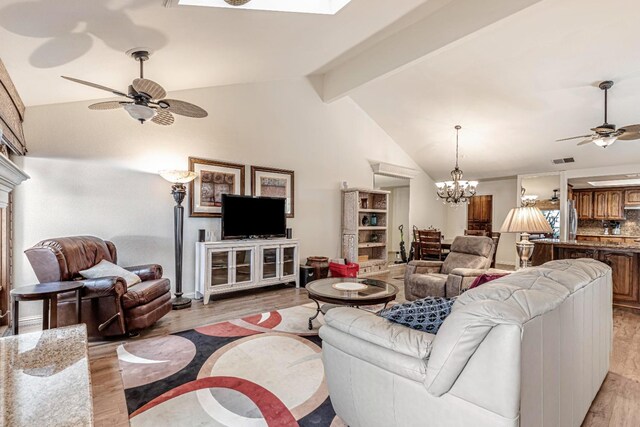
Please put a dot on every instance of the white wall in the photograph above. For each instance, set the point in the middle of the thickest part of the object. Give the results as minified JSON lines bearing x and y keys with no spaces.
{"x":95,"y":172}
{"x":398,"y":214}
{"x":504,"y":192}
{"x":541,"y":186}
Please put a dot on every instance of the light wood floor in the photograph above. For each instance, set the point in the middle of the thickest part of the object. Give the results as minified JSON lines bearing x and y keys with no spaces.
{"x":617,"y":403}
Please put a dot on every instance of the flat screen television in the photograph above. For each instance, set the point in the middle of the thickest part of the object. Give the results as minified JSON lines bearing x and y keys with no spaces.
{"x":245,"y":217}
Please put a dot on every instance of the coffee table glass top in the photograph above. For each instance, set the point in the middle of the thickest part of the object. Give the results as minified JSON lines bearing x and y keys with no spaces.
{"x":374,"y":290}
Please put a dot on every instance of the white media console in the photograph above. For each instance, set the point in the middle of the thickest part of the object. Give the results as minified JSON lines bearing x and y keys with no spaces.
{"x":233,"y":265}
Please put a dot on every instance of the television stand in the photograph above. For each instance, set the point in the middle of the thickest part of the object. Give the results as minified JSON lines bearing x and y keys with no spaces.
{"x":234,"y":265}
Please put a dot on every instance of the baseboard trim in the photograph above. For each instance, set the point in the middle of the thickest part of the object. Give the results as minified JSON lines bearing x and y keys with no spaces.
{"x":30,"y":321}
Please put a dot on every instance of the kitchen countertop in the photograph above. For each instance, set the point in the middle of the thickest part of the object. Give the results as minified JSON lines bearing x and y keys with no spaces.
{"x":635,"y":247}
{"x":45,"y":378}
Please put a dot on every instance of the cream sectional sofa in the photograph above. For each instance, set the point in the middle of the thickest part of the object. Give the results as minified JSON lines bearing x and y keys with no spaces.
{"x":529,"y":349}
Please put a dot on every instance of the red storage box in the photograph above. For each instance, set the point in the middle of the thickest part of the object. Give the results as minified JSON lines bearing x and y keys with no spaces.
{"x":344,"y":270}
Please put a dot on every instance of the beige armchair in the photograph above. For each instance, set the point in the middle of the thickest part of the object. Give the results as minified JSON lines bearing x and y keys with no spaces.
{"x":469,"y":258}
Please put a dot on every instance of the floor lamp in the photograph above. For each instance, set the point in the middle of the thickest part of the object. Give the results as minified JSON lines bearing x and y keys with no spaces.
{"x":178,"y":190}
{"x":525,"y":220}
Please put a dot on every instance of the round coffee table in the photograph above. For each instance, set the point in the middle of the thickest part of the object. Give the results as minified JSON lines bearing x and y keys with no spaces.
{"x":371,"y":292}
{"x":48,"y":293}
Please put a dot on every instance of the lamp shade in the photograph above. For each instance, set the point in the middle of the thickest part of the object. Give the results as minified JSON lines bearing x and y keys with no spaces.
{"x":526,"y":220}
{"x":178,"y":176}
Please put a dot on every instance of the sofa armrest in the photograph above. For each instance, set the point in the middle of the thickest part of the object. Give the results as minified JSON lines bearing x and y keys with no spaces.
{"x":147,"y":271}
{"x":377,"y":330}
{"x":103,"y":287}
{"x":423,"y":267}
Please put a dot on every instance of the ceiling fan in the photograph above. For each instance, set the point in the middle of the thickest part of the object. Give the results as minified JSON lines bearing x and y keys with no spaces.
{"x":606,"y":134}
{"x":145,"y":98}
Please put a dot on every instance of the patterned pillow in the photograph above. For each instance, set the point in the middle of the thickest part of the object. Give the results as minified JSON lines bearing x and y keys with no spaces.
{"x":425,"y":314}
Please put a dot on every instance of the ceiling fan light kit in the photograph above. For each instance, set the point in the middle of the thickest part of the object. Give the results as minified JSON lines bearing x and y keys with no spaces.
{"x":146,"y":99}
{"x":457,"y":191}
{"x":606,"y":134}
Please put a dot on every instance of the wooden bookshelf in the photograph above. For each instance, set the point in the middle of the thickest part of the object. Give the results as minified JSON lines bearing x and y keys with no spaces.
{"x":364,"y":229}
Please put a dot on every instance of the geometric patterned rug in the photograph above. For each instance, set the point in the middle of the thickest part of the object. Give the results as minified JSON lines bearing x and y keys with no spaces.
{"x":261,"y":370}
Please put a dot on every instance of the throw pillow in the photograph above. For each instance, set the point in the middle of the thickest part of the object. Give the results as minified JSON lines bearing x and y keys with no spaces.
{"x":105,"y":269}
{"x":425,"y":314}
{"x":484,"y":278}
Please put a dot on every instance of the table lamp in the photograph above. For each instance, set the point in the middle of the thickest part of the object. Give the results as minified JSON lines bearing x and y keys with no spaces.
{"x":178,"y":190}
{"x":525,"y":220}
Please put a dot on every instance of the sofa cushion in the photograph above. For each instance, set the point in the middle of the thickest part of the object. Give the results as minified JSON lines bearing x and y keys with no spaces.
{"x":145,"y":292}
{"x":426,"y":314}
{"x":427,"y":285}
{"x":108,"y":269}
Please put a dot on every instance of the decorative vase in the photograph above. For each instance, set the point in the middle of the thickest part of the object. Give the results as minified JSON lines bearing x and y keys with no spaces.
{"x":374,"y":220}
{"x":365,"y":221}
{"x":320,"y":265}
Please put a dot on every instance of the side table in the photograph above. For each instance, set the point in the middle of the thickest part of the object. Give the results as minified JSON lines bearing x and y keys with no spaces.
{"x":48,"y":293}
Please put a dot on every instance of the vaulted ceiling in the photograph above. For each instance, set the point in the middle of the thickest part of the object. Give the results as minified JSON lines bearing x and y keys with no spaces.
{"x":515,"y":87}
{"x":516,"y":74}
{"x":194,"y":46}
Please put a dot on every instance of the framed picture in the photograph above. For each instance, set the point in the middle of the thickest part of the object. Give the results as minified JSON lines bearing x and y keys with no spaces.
{"x":213,"y":179}
{"x":269,"y":182}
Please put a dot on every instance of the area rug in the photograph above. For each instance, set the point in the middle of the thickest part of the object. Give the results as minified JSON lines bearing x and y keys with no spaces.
{"x":261,"y":370}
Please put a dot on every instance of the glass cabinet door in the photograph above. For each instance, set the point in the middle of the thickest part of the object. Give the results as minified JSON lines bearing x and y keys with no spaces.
{"x":288,"y":261}
{"x":269,"y":263}
{"x":244,"y":265}
{"x":219,"y":267}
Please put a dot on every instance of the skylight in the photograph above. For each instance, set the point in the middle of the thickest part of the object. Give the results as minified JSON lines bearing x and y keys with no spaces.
{"x":325,"y":7}
{"x":614,"y":182}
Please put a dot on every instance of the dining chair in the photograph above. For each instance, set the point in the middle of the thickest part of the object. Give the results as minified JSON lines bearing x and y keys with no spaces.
{"x":430,"y":244}
{"x":480,"y":233}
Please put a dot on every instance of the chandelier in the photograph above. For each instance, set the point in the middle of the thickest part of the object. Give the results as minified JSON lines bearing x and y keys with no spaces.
{"x":457,"y":191}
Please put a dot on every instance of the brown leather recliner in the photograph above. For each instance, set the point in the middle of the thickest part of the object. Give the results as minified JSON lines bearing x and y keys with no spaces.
{"x":109,"y":308}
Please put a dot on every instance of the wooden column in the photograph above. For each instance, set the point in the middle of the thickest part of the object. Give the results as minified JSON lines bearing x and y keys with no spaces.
{"x":6,"y":258}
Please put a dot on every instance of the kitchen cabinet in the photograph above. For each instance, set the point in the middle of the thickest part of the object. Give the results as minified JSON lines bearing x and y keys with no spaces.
{"x":632,"y":197}
{"x":574,"y":253}
{"x":608,"y":205}
{"x":624,"y":262}
{"x":624,"y":266}
{"x":584,"y":204}
{"x":608,"y":239}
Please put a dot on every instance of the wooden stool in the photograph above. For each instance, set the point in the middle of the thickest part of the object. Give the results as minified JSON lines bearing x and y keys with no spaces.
{"x":48,"y":293}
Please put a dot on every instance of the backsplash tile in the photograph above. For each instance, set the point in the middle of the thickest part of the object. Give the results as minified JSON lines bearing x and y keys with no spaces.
{"x":630,"y":227}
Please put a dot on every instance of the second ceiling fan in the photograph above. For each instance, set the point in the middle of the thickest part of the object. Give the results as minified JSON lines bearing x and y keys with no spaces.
{"x":606,"y":134}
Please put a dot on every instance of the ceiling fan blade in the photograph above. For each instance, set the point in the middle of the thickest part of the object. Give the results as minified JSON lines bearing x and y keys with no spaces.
{"x":109,"y":105}
{"x":573,"y":137}
{"x":631,"y":128}
{"x":629,"y":136}
{"x":163,"y":117}
{"x":97,"y":86}
{"x":585,"y":142}
{"x":184,"y":108}
{"x":151,"y":88}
